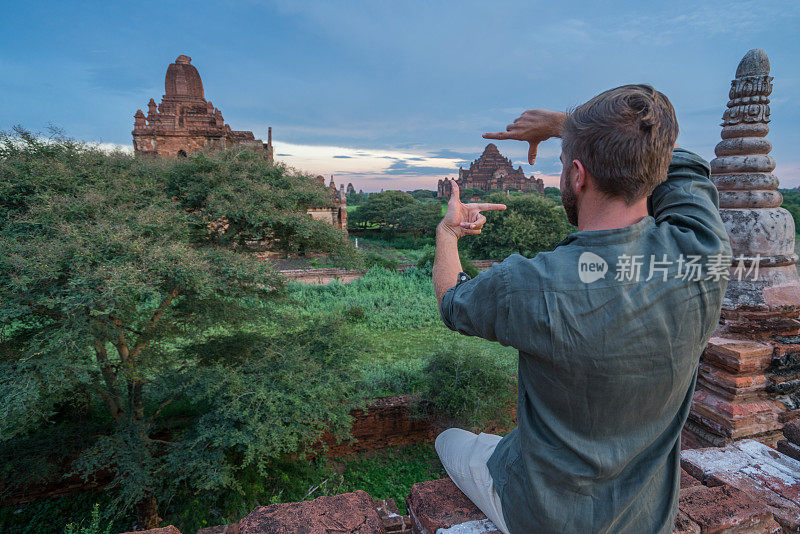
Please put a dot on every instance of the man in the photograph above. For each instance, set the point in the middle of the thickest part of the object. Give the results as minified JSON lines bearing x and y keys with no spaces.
{"x":609,"y":325}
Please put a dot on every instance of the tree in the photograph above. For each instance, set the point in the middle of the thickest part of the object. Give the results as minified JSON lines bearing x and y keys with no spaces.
{"x":423,"y":194}
{"x":553,"y":193}
{"x":375,"y":210}
{"x":111,"y":263}
{"x":530,"y":224}
{"x":354,"y":199}
{"x":418,"y":218}
{"x":472,"y":192}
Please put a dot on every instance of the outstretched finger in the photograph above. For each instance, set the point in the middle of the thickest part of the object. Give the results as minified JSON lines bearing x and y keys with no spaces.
{"x":532,"y":149}
{"x":487,"y":207}
{"x":497,"y":135}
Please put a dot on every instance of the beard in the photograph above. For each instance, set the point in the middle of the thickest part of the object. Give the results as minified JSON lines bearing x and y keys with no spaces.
{"x":570,"y":202}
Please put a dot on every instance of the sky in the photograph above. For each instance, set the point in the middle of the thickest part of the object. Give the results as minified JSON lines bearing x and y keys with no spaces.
{"x":386,"y":94}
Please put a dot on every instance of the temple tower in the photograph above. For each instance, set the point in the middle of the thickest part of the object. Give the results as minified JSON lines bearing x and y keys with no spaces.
{"x":491,"y":171}
{"x":748,"y":384}
{"x":185,"y":122}
{"x":761,"y":232}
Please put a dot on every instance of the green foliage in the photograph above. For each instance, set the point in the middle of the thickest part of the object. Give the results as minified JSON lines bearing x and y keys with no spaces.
{"x":553,"y":193}
{"x":399,"y":244}
{"x":355,"y":199}
{"x":373,"y":259}
{"x":791,"y":201}
{"x":375,"y":210}
{"x":468,"y":389}
{"x":425,"y":262}
{"x":471,"y":192}
{"x":54,"y":514}
{"x":94,"y":526}
{"x":423,"y":194}
{"x":531,"y":224}
{"x":390,"y":474}
{"x":109,"y":262}
{"x":390,"y":300}
{"x":237,"y":199}
{"x":415,"y":219}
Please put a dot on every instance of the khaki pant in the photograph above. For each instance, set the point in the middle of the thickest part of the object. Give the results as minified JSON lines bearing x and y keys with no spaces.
{"x":464,"y":456}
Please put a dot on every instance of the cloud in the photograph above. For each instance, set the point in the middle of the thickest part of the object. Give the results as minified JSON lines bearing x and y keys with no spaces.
{"x":404,"y":168}
{"x":454,"y":154}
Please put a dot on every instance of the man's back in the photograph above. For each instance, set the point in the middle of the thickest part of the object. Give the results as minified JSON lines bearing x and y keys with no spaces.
{"x":608,"y":360}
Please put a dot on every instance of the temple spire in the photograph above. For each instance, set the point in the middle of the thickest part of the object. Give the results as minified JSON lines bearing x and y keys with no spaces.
{"x":761,"y":232}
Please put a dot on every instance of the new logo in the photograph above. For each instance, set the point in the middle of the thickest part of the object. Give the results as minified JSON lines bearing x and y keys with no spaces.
{"x":591,"y":267}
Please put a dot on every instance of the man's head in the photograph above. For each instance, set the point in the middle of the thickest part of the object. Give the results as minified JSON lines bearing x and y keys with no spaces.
{"x":618,"y":144}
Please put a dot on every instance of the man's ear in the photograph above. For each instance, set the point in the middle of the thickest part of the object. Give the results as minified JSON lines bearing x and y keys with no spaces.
{"x":579,"y":176}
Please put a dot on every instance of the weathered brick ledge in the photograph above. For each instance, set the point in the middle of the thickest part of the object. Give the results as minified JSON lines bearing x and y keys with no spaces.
{"x":386,"y":422}
{"x":743,"y":488}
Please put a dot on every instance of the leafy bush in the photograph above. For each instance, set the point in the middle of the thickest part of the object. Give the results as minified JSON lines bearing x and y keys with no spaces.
{"x":94,"y":526}
{"x":467,"y":389}
{"x":425,"y":262}
{"x":373,"y":259}
{"x":391,"y":378}
{"x":531,"y":224}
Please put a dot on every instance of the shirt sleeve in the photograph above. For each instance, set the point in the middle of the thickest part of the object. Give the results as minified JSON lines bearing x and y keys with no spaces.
{"x":688,"y":200}
{"x":480,"y":306}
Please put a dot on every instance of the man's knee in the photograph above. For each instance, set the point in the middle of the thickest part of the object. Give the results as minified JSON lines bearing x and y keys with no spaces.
{"x":452,"y":440}
{"x":441,"y":439}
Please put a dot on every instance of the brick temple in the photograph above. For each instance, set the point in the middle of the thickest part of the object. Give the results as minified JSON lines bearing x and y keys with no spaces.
{"x":491,"y":171}
{"x":336,"y":212}
{"x":185,"y":122}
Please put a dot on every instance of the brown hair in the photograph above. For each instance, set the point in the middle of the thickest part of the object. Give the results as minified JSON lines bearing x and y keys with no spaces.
{"x":624,"y":138}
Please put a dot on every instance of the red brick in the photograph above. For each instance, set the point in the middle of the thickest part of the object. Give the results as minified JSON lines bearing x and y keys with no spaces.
{"x":725,"y":509}
{"x":440,"y":504}
{"x":738,"y":356}
{"x":764,"y":474}
{"x":684,"y":525}
{"x":688,"y":480}
{"x":353,"y":513}
{"x":163,"y":530}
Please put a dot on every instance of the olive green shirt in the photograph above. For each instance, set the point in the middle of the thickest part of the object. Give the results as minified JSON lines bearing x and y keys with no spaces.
{"x":607,"y":360}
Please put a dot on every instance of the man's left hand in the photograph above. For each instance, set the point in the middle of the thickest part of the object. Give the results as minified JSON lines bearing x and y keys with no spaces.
{"x":465,"y":219}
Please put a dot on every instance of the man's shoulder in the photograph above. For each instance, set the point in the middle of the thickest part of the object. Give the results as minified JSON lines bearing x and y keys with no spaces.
{"x":541,"y":271}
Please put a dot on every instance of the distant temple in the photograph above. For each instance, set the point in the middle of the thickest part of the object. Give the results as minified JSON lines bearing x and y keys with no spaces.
{"x":185,"y":122}
{"x":492,"y":171}
{"x":337,"y":214}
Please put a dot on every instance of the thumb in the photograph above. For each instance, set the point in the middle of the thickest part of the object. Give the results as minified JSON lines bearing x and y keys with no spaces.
{"x":455,"y":194}
{"x":532,"y":148}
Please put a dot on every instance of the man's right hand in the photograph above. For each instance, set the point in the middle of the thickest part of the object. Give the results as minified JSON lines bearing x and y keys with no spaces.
{"x":533,"y":126}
